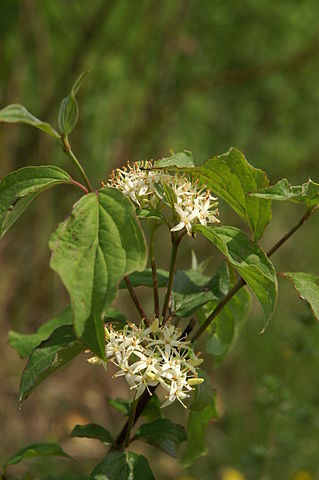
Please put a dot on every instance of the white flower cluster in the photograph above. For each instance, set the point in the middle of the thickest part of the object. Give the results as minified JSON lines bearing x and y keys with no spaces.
{"x":150,"y":356}
{"x":192,"y":203}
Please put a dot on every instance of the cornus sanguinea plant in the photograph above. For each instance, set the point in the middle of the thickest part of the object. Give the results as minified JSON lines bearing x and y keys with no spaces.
{"x":110,"y":242}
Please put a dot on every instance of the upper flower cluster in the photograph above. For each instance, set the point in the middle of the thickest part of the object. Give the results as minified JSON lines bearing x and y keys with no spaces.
{"x":151,"y":356}
{"x":191,"y":203}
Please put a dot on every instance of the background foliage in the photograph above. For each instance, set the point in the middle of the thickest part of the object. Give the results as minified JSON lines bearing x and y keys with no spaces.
{"x":201,"y":76}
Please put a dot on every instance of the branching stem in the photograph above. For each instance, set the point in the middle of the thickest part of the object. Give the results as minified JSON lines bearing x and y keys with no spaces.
{"x":144,"y":399}
{"x":240,"y":283}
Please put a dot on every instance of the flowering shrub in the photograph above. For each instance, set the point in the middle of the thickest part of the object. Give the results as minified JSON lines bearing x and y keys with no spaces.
{"x":101,"y":247}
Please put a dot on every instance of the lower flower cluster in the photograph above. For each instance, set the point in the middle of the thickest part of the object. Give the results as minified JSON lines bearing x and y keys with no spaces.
{"x":151,"y":356}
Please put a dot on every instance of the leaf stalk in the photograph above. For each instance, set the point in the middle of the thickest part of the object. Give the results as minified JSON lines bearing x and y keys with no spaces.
{"x":67,"y":149}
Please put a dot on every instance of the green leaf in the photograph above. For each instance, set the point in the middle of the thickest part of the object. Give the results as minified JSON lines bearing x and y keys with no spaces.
{"x":92,"y":250}
{"x":232,"y":178}
{"x":307,"y":193}
{"x":68,"y":114}
{"x":92,"y":430}
{"x":203,"y":394}
{"x":152,"y":410}
{"x":19,"y":188}
{"x":196,"y":426}
{"x":36,"y":450}
{"x":307,"y":286}
{"x":166,"y":194}
{"x":69,"y":109}
{"x":60,"y":348}
{"x":17,"y":113}
{"x":249,"y":260}
{"x":150,"y":214}
{"x":145,"y":278}
{"x":24,"y":343}
{"x":120,"y":404}
{"x":190,"y":292}
{"x":192,"y":289}
{"x":180,"y":159}
{"x":78,"y":82}
{"x":123,"y":466}
{"x":163,"y":434}
{"x":116,"y":318}
{"x":227,"y":325}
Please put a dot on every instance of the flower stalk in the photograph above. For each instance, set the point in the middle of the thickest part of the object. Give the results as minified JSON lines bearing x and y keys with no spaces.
{"x":176,"y":240}
{"x":154,"y":272}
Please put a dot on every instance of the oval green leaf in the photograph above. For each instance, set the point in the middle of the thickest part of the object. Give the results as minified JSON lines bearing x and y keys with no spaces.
{"x":25,"y":343}
{"x":17,"y":113}
{"x":19,"y":188}
{"x":60,"y":348}
{"x":163,"y":434}
{"x":37,"y":450}
{"x":249,"y":260}
{"x":92,"y":251}
{"x":92,"y":430}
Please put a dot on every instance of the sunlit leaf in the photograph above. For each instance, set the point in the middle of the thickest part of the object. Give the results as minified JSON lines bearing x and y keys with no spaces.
{"x":307,"y":193}
{"x":17,"y":113}
{"x":19,"y":188}
{"x":307,"y":286}
{"x":180,"y":159}
{"x":232,"y":178}
{"x":24,"y":343}
{"x":92,"y":250}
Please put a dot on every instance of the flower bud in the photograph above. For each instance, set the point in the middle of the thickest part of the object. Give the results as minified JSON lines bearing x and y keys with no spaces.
{"x":195,"y":381}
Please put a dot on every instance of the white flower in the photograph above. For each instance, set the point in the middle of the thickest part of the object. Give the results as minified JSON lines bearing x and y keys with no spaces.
{"x":148,"y":356}
{"x":194,"y":204}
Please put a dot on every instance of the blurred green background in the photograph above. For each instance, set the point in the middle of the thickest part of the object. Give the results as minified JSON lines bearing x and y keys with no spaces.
{"x":195,"y":75}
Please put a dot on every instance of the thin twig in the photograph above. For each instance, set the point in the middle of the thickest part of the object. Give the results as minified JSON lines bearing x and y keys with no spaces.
{"x":303,"y":220}
{"x":136,"y":301}
{"x":154,"y":273}
{"x":241,"y":282}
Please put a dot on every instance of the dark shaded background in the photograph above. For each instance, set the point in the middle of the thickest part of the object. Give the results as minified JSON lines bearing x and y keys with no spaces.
{"x":201,"y":76}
